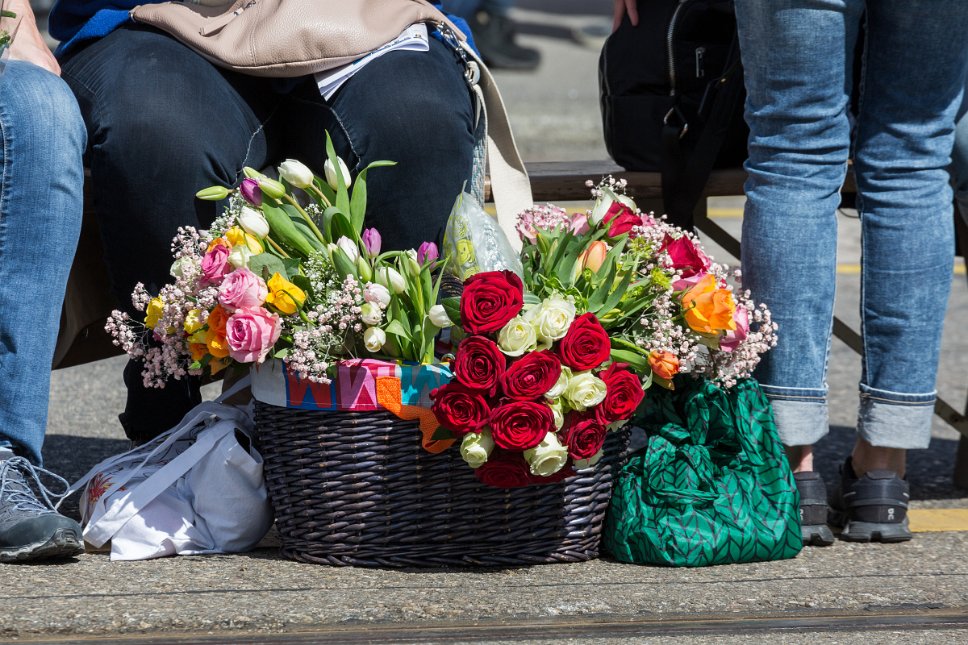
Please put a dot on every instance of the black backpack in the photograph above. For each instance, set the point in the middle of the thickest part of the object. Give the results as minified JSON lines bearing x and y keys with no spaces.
{"x":672,"y":96}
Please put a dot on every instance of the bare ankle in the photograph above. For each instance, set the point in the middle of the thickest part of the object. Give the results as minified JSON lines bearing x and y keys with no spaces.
{"x":800,"y":458}
{"x":867,"y":457}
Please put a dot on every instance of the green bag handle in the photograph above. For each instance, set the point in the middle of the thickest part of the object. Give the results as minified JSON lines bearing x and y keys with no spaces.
{"x":665,"y":462}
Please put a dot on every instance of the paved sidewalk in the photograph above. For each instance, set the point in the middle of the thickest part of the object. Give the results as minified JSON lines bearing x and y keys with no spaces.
{"x":912,"y":592}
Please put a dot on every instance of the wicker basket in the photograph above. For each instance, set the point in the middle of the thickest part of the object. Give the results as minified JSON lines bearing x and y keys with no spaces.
{"x":358,"y":489}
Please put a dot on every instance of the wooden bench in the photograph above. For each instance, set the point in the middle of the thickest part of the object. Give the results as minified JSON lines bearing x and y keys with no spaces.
{"x":565,"y":181}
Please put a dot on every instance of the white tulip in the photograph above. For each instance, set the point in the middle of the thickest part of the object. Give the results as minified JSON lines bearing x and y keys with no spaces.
{"x":253,"y":222}
{"x":391,"y":278}
{"x":374,"y":338}
{"x":349,"y":248}
{"x":296,"y":173}
{"x":371,"y":314}
{"x":439,"y":318}
{"x":376,"y":294}
{"x":330,"y":173}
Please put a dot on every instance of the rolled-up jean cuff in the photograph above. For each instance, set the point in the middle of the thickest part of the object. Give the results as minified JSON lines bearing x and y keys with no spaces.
{"x":894,"y":420}
{"x":800,"y":422}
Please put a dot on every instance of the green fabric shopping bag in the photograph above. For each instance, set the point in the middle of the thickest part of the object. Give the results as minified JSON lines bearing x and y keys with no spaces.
{"x":712,"y":485}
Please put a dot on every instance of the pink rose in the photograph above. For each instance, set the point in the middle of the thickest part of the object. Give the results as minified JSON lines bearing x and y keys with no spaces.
{"x":251,"y":333}
{"x":687,"y":259}
{"x":215,"y":264}
{"x":735,"y":337}
{"x":242,"y":289}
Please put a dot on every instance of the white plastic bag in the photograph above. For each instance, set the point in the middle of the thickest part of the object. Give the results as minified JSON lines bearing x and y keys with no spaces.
{"x":197,"y":488}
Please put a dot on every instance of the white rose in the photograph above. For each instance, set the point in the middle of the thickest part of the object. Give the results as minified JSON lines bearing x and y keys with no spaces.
{"x":296,"y":173}
{"x":552,"y":318}
{"x":349,"y":248}
{"x":561,"y":384}
{"x":371,"y":314}
{"x":391,"y":278}
{"x":330,"y":171}
{"x":548,"y":457}
{"x":439,"y":318}
{"x":517,"y":337}
{"x":591,"y":461}
{"x":476,"y":448}
{"x":253,"y":222}
{"x":558,"y":410}
{"x":374,"y":338}
{"x":239,"y":257}
{"x":585,"y":390}
{"x":376,"y":294}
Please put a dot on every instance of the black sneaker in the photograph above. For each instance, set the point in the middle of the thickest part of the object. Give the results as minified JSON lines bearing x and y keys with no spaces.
{"x":30,"y":528}
{"x":494,"y":35}
{"x":813,"y":509}
{"x":872,"y":508}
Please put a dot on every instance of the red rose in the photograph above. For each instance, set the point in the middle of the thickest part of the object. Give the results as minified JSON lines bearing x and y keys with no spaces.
{"x":520,"y":425}
{"x":459,"y":409}
{"x":586,"y":345}
{"x":623,"y":395}
{"x":685,"y":257}
{"x":504,"y":470}
{"x":490,"y":300}
{"x":621,"y":219}
{"x":584,"y":434}
{"x":479,"y":364}
{"x":530,"y":377}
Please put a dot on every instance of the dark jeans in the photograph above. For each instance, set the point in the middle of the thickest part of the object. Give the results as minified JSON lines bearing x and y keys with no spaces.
{"x":163,"y":123}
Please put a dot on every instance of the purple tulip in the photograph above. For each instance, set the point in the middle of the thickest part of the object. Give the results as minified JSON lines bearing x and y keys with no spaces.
{"x":427,"y":253}
{"x":372,"y":242}
{"x":250,"y":192}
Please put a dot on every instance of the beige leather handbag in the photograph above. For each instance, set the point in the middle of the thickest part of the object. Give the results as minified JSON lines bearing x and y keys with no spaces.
{"x":286,"y":38}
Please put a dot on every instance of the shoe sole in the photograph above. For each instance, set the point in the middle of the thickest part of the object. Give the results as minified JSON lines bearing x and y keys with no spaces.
{"x":64,"y":543}
{"x":816,"y":535}
{"x":855,"y":531}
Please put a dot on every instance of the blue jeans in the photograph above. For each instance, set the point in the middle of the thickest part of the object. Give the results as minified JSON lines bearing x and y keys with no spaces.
{"x":163,"y":123}
{"x":959,"y":158}
{"x":41,"y":202}
{"x":798,"y":57}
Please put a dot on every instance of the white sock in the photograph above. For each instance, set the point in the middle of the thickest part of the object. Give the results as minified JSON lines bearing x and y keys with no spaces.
{"x":6,"y":453}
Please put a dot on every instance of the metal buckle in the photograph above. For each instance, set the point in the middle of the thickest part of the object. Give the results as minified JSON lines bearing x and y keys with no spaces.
{"x":681,"y":120}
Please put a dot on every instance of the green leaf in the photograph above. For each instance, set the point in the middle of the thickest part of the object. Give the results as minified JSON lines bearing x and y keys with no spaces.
{"x":308,"y":234}
{"x":281,"y":353}
{"x":358,"y":203}
{"x":342,"y":227}
{"x":343,"y":264}
{"x":266,"y":264}
{"x":443,"y":434}
{"x":617,"y":294}
{"x":638,"y":362}
{"x":284,"y":229}
{"x":325,"y":189}
{"x":302,"y":282}
{"x":452,"y":307}
{"x":396,"y":328}
{"x":342,"y":195}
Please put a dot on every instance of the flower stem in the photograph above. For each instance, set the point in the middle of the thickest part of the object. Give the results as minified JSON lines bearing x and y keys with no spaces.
{"x":277,"y":248}
{"x":309,"y":220}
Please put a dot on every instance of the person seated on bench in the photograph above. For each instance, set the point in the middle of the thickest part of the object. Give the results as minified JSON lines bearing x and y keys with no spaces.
{"x":163,"y":123}
{"x":797,"y":57}
{"x":40,"y":219}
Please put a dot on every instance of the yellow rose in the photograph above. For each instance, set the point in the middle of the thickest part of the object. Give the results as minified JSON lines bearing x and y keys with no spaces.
{"x":709,"y":309}
{"x":237,"y":237}
{"x":154,"y":312}
{"x":284,"y":295}
{"x":193,"y":321}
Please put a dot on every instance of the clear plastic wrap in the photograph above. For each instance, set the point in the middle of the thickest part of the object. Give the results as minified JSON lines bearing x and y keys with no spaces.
{"x":475,"y":242}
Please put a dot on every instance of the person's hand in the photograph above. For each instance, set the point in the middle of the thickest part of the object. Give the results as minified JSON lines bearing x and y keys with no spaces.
{"x":621,"y":8}
{"x":28,"y":44}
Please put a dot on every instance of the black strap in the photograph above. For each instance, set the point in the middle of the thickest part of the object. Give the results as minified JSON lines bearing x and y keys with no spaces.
{"x":684,"y":177}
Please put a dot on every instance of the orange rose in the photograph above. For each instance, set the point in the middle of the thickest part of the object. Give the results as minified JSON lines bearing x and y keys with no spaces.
{"x":219,"y":241}
{"x":218,"y":347}
{"x":198,"y":350}
{"x":664,"y":364}
{"x":709,"y":309}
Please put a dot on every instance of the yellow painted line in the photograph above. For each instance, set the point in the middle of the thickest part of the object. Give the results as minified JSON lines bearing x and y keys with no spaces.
{"x":935,"y":520}
{"x":725,"y":212}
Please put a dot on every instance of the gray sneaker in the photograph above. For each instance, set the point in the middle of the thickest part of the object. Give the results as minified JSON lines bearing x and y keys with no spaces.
{"x":30,"y":528}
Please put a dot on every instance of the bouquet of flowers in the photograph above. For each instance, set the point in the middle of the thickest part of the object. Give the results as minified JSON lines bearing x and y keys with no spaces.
{"x":286,"y":272}
{"x":612,"y":302}
{"x":6,"y":36}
